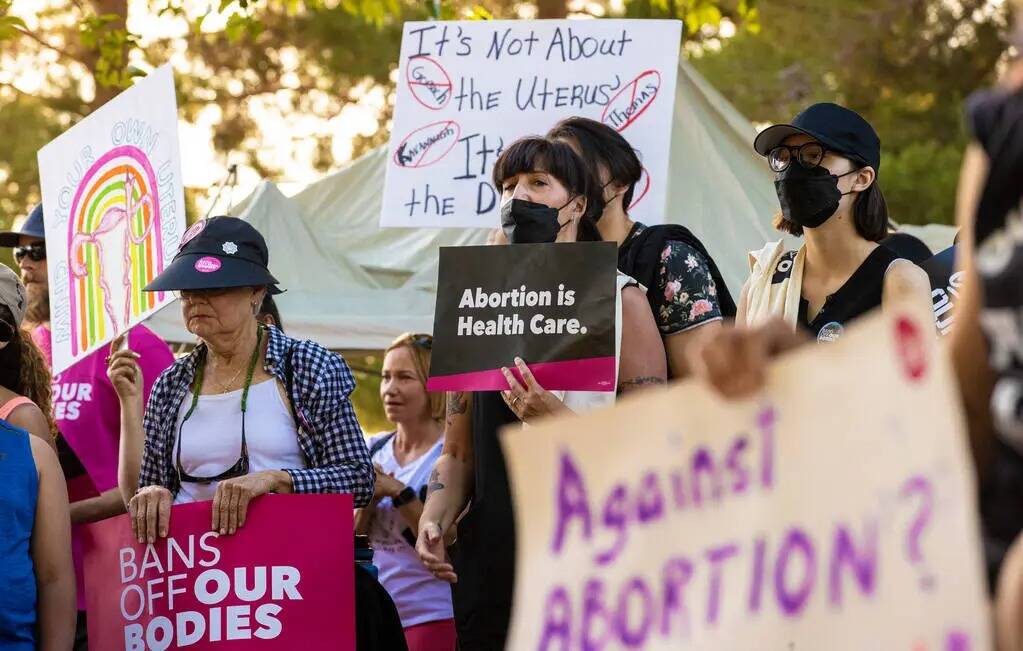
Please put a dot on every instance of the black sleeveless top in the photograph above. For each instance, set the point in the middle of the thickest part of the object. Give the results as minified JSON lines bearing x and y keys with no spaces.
{"x":484,"y":553}
{"x":860,"y":294}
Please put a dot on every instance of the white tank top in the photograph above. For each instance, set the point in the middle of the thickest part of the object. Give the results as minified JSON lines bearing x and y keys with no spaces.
{"x":211,"y":440}
{"x":581,"y":401}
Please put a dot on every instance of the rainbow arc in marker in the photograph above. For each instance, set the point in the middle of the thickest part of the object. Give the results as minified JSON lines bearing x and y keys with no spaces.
{"x":120,"y":189}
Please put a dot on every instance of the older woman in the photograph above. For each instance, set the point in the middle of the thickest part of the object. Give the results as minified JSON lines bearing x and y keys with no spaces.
{"x":249,"y":412}
{"x":403,"y":460}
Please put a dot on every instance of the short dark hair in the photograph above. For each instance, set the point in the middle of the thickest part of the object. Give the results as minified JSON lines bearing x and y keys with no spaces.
{"x":602,"y":145}
{"x":558,"y":159}
{"x":870,"y":216}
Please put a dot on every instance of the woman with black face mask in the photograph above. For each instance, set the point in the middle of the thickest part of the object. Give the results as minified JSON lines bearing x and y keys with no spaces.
{"x":826,"y":167}
{"x":548,"y":195}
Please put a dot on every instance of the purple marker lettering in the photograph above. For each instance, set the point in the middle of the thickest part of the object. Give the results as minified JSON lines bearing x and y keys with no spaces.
{"x":792,"y":600}
{"x":594,"y":612}
{"x":862,"y":562}
{"x":677,"y":573}
{"x":678,"y":489}
{"x":734,"y":463}
{"x":633,"y":638}
{"x":757,"y":586}
{"x":572,"y":502}
{"x":557,"y":625}
{"x":616,"y":519}
{"x":766,"y":420}
{"x":717,"y":557}
{"x":651,"y":498}
{"x":703,"y":464}
{"x":958,"y":641}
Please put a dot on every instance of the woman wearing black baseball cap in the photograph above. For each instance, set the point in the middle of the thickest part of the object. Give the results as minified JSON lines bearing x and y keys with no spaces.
{"x":826,"y":166}
{"x":250,"y":411}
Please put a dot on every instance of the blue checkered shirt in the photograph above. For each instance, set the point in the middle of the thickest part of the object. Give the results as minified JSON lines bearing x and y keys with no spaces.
{"x":329,"y":433}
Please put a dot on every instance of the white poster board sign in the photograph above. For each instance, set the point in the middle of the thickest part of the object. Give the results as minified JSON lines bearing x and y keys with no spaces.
{"x":468,"y":89}
{"x":114,"y":206}
{"x":835,"y":511}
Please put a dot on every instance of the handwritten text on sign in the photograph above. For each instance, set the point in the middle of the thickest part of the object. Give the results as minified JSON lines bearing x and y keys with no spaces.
{"x":262,"y":588}
{"x":468,"y":89}
{"x":115,"y":214}
{"x":796,"y":520}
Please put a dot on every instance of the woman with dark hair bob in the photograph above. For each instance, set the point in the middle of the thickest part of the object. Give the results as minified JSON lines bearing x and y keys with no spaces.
{"x":548,"y":195}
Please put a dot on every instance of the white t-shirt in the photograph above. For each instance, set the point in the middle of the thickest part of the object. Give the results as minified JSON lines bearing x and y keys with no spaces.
{"x":418,"y":596}
{"x":211,"y":440}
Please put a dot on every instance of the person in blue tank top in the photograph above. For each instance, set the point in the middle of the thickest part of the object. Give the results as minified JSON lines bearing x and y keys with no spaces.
{"x":37,"y":603}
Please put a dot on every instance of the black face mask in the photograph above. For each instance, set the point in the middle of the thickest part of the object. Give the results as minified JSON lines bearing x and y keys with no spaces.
{"x":526,"y":222}
{"x":808,"y":197}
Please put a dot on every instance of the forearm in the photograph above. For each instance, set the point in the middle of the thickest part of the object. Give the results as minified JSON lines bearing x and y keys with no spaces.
{"x":93,"y":509}
{"x":448,"y":491}
{"x":133,"y":439}
{"x":57,"y":610}
{"x":364,"y":518}
{"x":411,"y":513}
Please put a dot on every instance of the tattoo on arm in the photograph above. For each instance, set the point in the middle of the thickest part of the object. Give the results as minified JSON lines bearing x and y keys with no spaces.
{"x":435,"y":483}
{"x":457,"y":406}
{"x":634,"y":382}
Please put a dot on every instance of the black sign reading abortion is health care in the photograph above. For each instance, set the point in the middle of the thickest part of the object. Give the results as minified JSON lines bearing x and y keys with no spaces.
{"x":553,"y":305}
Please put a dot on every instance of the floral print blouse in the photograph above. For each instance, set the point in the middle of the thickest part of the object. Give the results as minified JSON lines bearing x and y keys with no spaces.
{"x":685,"y":294}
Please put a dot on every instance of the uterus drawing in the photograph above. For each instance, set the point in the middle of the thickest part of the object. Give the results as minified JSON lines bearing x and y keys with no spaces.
{"x":113,"y":238}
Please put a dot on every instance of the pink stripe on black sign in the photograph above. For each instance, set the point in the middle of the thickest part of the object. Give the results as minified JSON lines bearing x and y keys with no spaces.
{"x":591,"y":374}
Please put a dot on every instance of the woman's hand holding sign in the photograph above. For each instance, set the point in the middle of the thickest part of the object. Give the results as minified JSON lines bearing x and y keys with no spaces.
{"x":149,"y":511}
{"x":529,"y":400}
{"x":231,"y":501}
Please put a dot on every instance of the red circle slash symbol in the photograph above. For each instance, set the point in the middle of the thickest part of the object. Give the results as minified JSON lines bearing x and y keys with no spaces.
{"x":632,"y":100}
{"x":427,"y":145}
{"x":429,"y":82}
{"x":911,"y":348}
{"x":641,"y":189}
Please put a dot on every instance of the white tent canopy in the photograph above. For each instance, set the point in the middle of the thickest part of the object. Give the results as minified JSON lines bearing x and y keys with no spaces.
{"x":352,"y":285}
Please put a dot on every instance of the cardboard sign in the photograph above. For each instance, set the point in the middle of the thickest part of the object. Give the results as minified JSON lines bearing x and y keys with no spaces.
{"x":945,"y":285}
{"x":553,"y":305}
{"x":836,"y":510}
{"x":115,"y":211}
{"x":284,"y":581}
{"x":468,"y":89}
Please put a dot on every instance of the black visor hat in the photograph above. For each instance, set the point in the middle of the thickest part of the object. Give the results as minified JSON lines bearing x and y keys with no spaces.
{"x":218,"y":253}
{"x":839,"y":129}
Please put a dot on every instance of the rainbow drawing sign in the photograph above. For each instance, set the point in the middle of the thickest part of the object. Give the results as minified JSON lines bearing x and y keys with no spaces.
{"x":790,"y":520}
{"x":114,"y":205}
{"x":468,"y":89}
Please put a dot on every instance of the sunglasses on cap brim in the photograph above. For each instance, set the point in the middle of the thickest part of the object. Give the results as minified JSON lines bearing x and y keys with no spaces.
{"x":7,"y":331}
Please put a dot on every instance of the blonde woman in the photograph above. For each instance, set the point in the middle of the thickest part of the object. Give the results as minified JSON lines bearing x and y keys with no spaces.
{"x":403,"y":459}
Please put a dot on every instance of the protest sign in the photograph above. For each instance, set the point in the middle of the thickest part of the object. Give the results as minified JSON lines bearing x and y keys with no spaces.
{"x":553,"y":305}
{"x":468,"y":89}
{"x":115,"y":211}
{"x":267,"y":586}
{"x":946,"y":283}
{"x":835,"y":510}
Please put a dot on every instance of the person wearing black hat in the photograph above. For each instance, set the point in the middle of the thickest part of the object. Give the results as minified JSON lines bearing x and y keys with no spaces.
{"x":826,"y":166}
{"x":84,"y":404}
{"x":249,"y":411}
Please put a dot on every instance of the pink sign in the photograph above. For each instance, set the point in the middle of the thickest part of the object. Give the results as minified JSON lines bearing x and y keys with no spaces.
{"x":285,"y":580}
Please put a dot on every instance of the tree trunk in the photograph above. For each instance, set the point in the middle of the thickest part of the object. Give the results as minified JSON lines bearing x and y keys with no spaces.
{"x":552,"y":8}
{"x":105,"y":7}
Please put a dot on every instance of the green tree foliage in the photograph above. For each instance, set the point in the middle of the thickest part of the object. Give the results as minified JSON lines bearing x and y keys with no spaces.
{"x":907,"y":66}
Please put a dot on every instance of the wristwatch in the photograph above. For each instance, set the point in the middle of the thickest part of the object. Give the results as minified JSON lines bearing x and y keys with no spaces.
{"x":406,"y":495}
